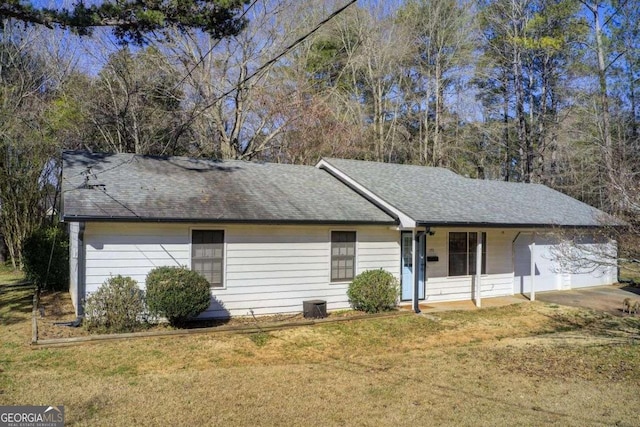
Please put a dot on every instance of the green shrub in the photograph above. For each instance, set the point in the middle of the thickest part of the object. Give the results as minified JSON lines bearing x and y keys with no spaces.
{"x":177,"y":294}
{"x":46,"y":269}
{"x":117,"y":306}
{"x":373,"y":291}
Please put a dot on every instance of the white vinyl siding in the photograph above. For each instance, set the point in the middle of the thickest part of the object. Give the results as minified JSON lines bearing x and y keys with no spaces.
{"x":74,"y":228}
{"x":268,"y":268}
{"x":497,"y":278}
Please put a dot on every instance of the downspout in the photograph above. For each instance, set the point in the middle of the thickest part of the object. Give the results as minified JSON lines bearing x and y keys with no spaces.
{"x":82,"y":286}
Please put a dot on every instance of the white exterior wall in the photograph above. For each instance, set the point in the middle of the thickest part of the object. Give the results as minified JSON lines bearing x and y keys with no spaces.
{"x":273,"y":268}
{"x":580,"y":261}
{"x":74,"y":227}
{"x":498,"y":280}
{"x":548,"y":275}
{"x":591,"y":261}
{"x":267,"y":268}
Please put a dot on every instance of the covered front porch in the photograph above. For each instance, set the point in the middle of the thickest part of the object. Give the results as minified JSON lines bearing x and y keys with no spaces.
{"x":462,"y":265}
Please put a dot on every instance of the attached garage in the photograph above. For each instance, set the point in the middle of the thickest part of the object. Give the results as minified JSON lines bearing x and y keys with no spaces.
{"x":552,"y":262}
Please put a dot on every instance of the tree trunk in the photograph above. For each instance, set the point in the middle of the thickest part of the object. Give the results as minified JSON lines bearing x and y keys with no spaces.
{"x":438,"y":154}
{"x":425,"y":126}
{"x":523,"y":140}
{"x":609,"y":155}
{"x":505,"y":132}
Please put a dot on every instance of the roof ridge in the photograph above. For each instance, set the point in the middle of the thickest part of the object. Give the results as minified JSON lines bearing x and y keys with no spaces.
{"x":184,"y":158}
{"x":375,"y":162}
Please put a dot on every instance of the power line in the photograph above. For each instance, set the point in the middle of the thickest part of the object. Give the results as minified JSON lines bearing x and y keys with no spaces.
{"x":257,"y":71}
{"x":213,"y":46}
{"x":260,"y":68}
{"x":88,"y":170}
{"x":277,"y":57}
{"x":200,"y":61}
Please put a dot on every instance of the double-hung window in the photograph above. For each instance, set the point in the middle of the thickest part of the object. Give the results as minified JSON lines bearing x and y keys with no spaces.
{"x":463,"y":247}
{"x":207,"y":255}
{"x":343,"y":255}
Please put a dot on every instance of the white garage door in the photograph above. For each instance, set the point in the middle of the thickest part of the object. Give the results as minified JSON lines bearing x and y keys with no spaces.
{"x":598,"y":266}
{"x":546,"y":276}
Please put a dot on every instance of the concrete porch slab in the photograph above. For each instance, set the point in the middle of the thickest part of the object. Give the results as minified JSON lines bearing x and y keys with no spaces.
{"x":434,"y":307}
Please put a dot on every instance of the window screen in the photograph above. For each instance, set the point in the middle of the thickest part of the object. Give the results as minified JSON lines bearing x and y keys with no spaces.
{"x":462,"y":253}
{"x":343,"y":255}
{"x":207,"y":255}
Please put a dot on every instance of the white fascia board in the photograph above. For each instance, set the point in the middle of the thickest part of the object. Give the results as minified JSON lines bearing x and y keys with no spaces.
{"x":406,"y":222}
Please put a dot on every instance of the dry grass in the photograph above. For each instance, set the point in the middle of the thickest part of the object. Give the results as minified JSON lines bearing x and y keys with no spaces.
{"x":56,"y":308}
{"x":8,"y":275}
{"x":630,"y":271}
{"x":528,"y":364}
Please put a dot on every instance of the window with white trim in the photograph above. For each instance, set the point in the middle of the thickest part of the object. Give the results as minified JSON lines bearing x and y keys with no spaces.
{"x":463,"y":247}
{"x":207,"y":255}
{"x":343,"y":255}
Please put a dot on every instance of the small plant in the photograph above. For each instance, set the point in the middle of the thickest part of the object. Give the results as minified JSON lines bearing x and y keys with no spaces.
{"x":260,"y":339}
{"x":45,"y":255}
{"x":373,"y":291}
{"x":177,"y":294}
{"x":117,"y":306}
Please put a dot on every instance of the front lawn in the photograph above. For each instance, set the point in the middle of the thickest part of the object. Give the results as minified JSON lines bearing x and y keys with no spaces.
{"x":527,"y":364}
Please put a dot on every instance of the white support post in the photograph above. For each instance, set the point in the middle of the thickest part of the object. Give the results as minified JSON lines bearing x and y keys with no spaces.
{"x":414,"y":291}
{"x":532,"y":296}
{"x":478,"y":269}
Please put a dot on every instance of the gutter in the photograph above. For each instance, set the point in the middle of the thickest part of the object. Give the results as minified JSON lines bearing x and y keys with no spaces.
{"x":89,"y":218}
{"x":469,"y":224}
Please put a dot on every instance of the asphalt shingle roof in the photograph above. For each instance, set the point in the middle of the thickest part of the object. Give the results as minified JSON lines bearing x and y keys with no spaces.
{"x":134,"y":187}
{"x":431,"y":195}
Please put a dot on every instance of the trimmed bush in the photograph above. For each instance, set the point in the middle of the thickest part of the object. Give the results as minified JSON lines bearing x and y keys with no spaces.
{"x":36,"y":253}
{"x":177,"y":294}
{"x":373,"y":291}
{"x":117,"y":306}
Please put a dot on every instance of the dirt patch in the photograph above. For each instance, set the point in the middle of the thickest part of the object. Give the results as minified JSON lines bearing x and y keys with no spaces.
{"x":56,"y":307}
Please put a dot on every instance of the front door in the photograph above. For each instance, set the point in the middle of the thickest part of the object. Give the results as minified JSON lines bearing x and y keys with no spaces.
{"x":407,"y":266}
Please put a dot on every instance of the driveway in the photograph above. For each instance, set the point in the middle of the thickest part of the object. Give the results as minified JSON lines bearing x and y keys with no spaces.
{"x":603,"y":298}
